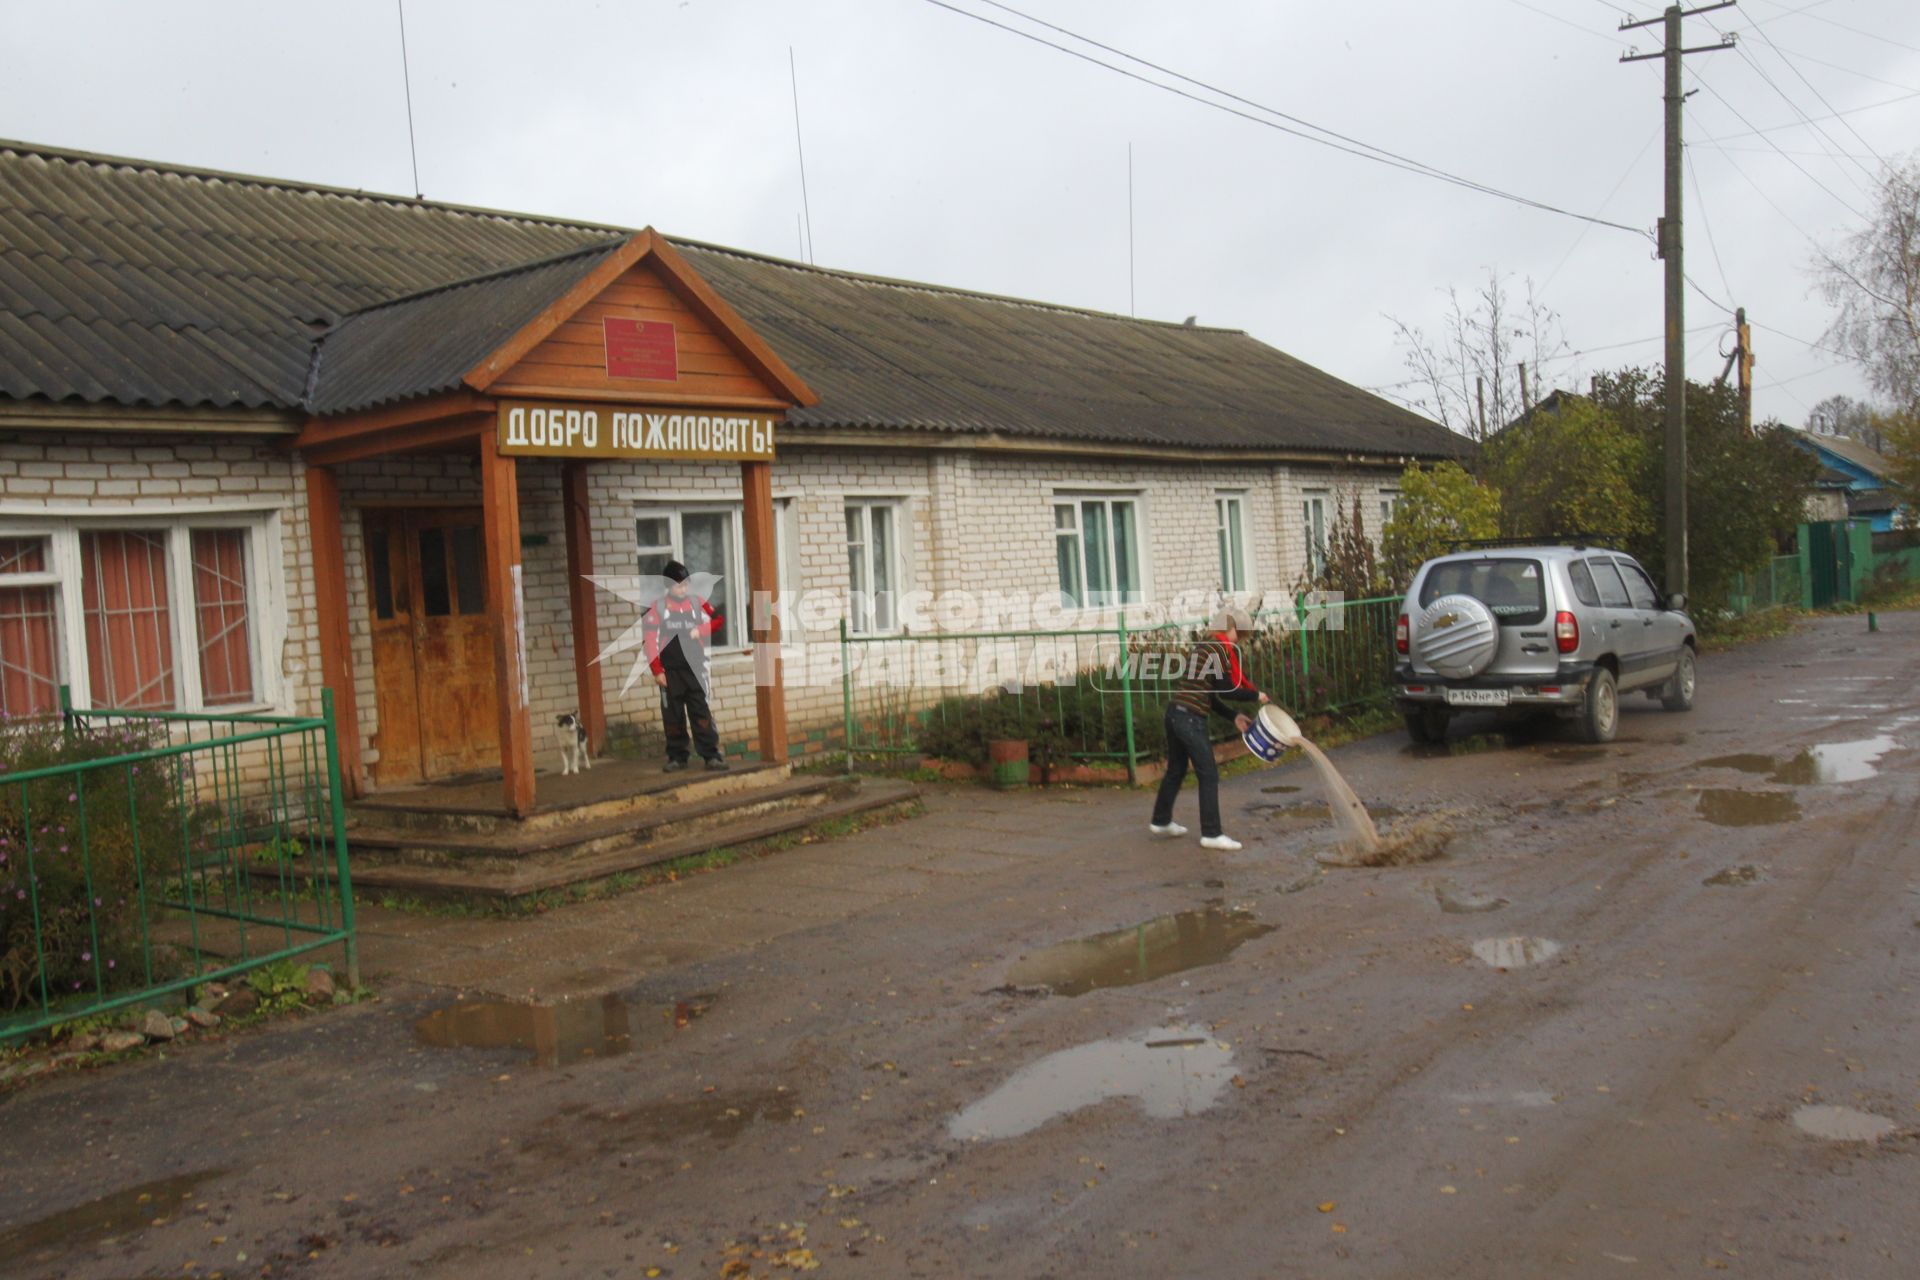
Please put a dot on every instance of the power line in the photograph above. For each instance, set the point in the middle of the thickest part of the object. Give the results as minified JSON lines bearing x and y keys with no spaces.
{"x":1859,"y":31}
{"x":1781,"y":54}
{"x":1614,"y":191}
{"x":1363,"y":150}
{"x":1795,"y":124}
{"x":806,"y":205}
{"x":1707,"y":223}
{"x":1832,"y":147}
{"x":1568,"y":355}
{"x":406,"y":78}
{"x":1783,"y":155}
{"x":1891,"y":84}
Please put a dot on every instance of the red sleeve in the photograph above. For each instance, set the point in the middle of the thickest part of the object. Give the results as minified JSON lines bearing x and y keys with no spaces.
{"x":708,"y":623}
{"x":650,"y":637}
{"x":1238,"y":676}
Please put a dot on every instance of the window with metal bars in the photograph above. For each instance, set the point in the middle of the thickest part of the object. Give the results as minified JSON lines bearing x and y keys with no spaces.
{"x":220,"y":606}
{"x":125,"y":608}
{"x":29,"y":630}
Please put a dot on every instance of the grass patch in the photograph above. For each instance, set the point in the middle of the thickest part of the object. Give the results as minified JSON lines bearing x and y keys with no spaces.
{"x":1768,"y":624}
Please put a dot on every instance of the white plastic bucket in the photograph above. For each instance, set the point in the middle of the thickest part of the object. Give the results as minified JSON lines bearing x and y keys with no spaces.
{"x":1271,"y":733}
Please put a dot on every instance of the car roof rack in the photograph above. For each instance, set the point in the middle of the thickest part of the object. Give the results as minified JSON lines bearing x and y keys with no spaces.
{"x":1576,"y":540}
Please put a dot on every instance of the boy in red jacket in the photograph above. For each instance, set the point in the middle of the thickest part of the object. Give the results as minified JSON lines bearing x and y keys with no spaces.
{"x":677,"y":629}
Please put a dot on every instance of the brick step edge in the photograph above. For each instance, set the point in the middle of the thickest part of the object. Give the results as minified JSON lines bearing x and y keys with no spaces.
{"x":444,"y":883}
{"x":384,"y":839}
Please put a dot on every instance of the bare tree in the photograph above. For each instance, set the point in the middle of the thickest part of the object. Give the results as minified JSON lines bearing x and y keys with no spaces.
{"x":1873,"y":278}
{"x":1486,"y":336}
{"x":1845,"y":416}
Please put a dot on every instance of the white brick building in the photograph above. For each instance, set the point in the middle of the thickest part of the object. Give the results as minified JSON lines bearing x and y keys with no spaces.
{"x":202,"y":375}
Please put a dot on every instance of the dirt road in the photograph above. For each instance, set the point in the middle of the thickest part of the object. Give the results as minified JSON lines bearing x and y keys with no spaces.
{"x":1603,"y":1036}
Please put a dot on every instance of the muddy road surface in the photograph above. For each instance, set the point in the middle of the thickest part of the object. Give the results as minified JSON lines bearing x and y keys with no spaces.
{"x":1651,"y":1013}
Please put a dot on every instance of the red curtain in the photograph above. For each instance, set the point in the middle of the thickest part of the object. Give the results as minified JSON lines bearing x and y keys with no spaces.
{"x":29,"y":667}
{"x":220,"y":601}
{"x":123,"y":594}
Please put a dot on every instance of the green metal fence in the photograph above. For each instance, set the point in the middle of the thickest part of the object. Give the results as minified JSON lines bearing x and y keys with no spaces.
{"x":1778,"y":584}
{"x":145,"y":852}
{"x":1095,"y":694}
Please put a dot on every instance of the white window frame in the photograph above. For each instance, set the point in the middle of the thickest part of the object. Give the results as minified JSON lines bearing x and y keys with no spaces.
{"x":266,"y":597}
{"x":1230,"y":521}
{"x":1313,"y":509}
{"x":863,"y":617}
{"x":735,"y":603}
{"x":1390,"y":500}
{"x":1071,"y":500}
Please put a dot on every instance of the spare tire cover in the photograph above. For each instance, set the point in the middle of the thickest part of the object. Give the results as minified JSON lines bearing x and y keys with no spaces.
{"x":1457,"y":636}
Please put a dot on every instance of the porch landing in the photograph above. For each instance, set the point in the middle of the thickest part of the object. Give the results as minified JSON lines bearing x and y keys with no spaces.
{"x":455,"y":839}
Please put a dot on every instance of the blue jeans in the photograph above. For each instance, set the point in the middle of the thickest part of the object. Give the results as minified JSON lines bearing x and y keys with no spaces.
{"x":1187,"y":743}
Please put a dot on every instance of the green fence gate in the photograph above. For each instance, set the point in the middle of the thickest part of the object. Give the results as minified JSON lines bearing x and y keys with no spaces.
{"x":143,"y":853}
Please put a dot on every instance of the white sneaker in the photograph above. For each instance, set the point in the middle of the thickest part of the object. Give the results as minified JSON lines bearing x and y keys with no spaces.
{"x":1171,"y":829}
{"x":1226,"y":844}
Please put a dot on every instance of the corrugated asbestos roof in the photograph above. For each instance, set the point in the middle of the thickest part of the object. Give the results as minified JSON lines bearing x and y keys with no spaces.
{"x":135,"y":283}
{"x":428,"y":342}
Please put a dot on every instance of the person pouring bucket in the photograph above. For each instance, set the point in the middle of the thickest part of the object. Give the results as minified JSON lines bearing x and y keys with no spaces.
{"x":677,"y":629}
{"x":1211,"y":680}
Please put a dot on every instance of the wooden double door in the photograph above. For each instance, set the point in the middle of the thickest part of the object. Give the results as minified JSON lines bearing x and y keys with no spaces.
{"x":434,"y":680}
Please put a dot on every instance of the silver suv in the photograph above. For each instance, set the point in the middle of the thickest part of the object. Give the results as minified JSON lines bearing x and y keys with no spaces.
{"x":1564,"y":629}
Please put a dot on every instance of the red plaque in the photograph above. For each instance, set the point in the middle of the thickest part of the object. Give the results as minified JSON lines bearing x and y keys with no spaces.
{"x":641,"y":349}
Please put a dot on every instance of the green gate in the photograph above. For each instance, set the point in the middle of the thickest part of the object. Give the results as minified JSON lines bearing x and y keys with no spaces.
{"x":1829,"y":563}
{"x":143,"y":853}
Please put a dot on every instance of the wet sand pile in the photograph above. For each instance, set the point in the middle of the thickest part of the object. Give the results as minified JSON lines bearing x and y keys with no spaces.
{"x":1412,"y":841}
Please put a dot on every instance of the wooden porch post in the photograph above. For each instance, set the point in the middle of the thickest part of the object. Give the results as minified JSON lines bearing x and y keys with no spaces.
{"x":506,"y":616}
{"x":769,"y":693}
{"x":330,"y":602}
{"x":578,"y":512}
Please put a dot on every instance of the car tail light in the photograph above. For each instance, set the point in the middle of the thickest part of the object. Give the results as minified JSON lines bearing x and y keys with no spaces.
{"x":1566,"y":631}
{"x":1416,"y":688}
{"x":1400,"y":634}
{"x":1551,"y":689}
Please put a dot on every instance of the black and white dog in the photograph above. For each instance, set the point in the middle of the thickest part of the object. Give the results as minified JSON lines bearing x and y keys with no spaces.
{"x":574,"y":755}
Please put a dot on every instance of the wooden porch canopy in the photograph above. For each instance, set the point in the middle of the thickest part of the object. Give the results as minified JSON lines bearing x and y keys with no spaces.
{"x":615,"y":350}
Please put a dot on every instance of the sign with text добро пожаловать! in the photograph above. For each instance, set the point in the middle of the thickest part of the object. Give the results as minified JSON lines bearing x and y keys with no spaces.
{"x":539,"y":429}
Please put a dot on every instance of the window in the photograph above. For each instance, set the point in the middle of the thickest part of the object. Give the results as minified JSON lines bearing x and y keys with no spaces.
{"x":158,"y":615}
{"x":1511,"y":589}
{"x":1097,"y":548}
{"x":1230,"y":517}
{"x":708,"y":539}
{"x":1613,"y":592}
{"x":873,"y":566}
{"x":29,"y":658}
{"x":220,"y":603}
{"x":126,"y":605}
{"x":1639,"y":589}
{"x":1583,"y":589}
{"x":1313,"y":513}
{"x":1389,"y":504}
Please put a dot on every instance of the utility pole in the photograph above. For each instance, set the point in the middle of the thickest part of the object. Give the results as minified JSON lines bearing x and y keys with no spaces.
{"x":1526,"y":401}
{"x":1480,"y":394}
{"x":1670,"y":252}
{"x":1743,"y":335}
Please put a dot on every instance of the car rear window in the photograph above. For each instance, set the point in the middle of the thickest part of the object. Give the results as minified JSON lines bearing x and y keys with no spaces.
{"x":1583,"y":589}
{"x":1511,"y":588}
{"x":1613,"y":592}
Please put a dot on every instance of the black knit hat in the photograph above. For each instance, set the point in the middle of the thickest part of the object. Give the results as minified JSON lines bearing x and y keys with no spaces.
{"x":675,"y":571}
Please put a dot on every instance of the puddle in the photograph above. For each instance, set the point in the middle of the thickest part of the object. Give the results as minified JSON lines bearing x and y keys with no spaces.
{"x":1311,"y":810}
{"x":1515,"y":953}
{"x":1278,"y":790}
{"x":1169,"y":1072}
{"x":1728,"y":807}
{"x":558,"y":1035}
{"x":1578,"y":755}
{"x":1456,"y":901}
{"x":1827,"y":762}
{"x":1842,"y":1124}
{"x":1152,"y":949}
{"x":1837,"y":762}
{"x":1746,"y":873}
{"x":134,"y":1209}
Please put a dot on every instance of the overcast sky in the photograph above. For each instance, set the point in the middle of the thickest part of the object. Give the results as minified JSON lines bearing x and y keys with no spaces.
{"x":939,"y":148}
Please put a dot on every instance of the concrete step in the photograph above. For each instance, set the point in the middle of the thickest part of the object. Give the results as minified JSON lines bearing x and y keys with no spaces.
{"x":610,"y":789}
{"x":378,"y":844}
{"x":468,"y":881}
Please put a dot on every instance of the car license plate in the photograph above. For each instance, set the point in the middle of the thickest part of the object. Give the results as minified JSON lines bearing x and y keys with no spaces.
{"x":1476,"y":697}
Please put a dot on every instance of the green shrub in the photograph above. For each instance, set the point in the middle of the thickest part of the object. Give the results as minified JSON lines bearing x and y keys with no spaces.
{"x":87,"y":887}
